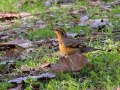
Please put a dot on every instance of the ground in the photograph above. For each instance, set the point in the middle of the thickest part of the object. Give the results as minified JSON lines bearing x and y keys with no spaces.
{"x":33,"y":45}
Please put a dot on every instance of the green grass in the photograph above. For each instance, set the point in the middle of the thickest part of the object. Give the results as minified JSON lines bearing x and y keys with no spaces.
{"x":104,"y":71}
{"x":40,"y":34}
{"x":7,"y":5}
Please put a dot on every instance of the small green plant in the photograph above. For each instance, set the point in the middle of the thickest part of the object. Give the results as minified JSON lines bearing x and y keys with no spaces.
{"x":5,"y":85}
{"x":30,"y":82}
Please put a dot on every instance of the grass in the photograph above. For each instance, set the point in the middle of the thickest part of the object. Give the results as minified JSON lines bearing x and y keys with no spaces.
{"x":104,"y":71}
{"x":7,"y":5}
{"x":40,"y":34}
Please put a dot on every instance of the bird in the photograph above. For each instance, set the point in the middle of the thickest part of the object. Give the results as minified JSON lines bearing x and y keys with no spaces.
{"x":70,"y":46}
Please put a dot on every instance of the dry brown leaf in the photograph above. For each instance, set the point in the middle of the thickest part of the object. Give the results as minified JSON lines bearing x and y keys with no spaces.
{"x":74,"y":62}
{"x":40,"y":24}
{"x":82,"y":11}
{"x":73,"y":12}
{"x":39,"y":43}
{"x":54,"y":39}
{"x":49,"y":45}
{"x":55,"y":43}
{"x":14,"y":48}
{"x":46,"y":63}
{"x":8,"y":15}
{"x":17,"y":42}
{"x":13,"y":53}
{"x":45,"y":44}
{"x":4,"y":37}
{"x":24,"y":14}
{"x":25,"y":69}
{"x":105,"y":8}
{"x":13,"y":15}
{"x":43,"y":76}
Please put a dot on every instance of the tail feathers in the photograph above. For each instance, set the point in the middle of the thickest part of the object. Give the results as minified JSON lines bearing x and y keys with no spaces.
{"x":88,"y":49}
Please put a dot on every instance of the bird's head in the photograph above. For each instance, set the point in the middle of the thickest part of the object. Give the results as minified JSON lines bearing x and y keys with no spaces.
{"x":60,"y":32}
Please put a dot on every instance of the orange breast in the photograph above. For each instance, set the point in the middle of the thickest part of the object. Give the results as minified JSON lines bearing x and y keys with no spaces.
{"x":67,"y":51}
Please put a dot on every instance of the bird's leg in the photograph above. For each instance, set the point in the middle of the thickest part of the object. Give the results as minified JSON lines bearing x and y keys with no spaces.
{"x":63,"y":55}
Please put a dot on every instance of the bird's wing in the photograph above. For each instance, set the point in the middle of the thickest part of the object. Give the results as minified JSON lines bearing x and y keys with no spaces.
{"x":70,"y":43}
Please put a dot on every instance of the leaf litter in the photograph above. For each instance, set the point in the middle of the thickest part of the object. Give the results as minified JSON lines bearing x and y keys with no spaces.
{"x":19,"y":48}
{"x":13,"y":15}
{"x":73,"y":63}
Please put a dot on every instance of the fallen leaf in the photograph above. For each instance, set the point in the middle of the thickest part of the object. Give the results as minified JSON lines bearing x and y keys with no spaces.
{"x":49,"y":45}
{"x":24,"y":14}
{"x":98,"y":24}
{"x":54,"y":43}
{"x":105,"y":8}
{"x":13,"y":15}
{"x":25,"y":69}
{"x":73,"y":12}
{"x":83,"y":21}
{"x":71,"y":35}
{"x":59,"y":24}
{"x":84,"y":18}
{"x":17,"y":42}
{"x":74,"y":62}
{"x":8,"y":15}
{"x":46,"y":63}
{"x":4,"y":37}
{"x":82,"y":11}
{"x":18,"y":80}
{"x":43,"y":76}
{"x":39,"y":43}
{"x":40,"y":24}
{"x":13,"y":53}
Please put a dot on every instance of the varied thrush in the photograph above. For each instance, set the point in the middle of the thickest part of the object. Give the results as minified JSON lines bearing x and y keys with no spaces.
{"x":69,"y":46}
